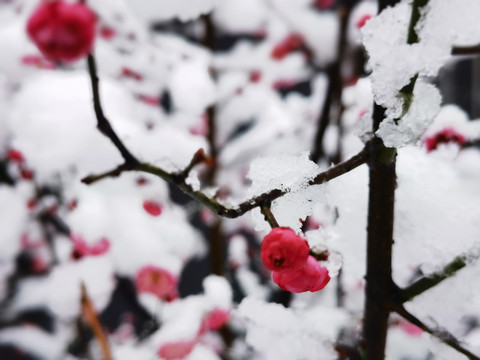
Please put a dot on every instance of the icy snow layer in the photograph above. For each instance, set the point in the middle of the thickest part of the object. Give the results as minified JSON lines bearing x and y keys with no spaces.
{"x":284,"y":334}
{"x":426,"y":104}
{"x":284,"y":172}
{"x":394,"y":62}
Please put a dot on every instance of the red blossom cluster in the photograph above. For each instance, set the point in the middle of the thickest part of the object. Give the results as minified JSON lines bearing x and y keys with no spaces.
{"x":445,"y":136}
{"x":294,"y":270}
{"x":62,"y":31}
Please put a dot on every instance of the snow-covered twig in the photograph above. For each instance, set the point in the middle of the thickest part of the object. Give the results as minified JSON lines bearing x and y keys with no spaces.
{"x":441,"y":334}
{"x":178,"y":179}
{"x":429,"y":281}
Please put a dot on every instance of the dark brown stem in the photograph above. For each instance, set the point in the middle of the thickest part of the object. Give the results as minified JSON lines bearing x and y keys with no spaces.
{"x":242,"y":208}
{"x":379,"y":246}
{"x":466,"y":50}
{"x":429,"y":281}
{"x":441,"y":334}
{"x":269,"y":217}
{"x":335,"y":83}
{"x":103,"y":124}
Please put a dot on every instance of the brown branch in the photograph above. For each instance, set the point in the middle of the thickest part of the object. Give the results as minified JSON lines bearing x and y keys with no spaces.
{"x":466,"y":50}
{"x":441,"y":334}
{"x":92,"y":320}
{"x":213,"y":204}
{"x":431,"y":280}
{"x":269,"y":217}
{"x":103,"y":124}
{"x":335,"y":83}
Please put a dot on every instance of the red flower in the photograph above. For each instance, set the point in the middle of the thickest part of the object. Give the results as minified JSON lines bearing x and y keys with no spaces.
{"x":283,"y":250}
{"x":176,"y":350}
{"x":152,"y":207}
{"x":445,"y":136}
{"x":62,"y":31}
{"x":157,"y":281}
{"x":289,"y":44}
{"x":363,"y":20}
{"x":312,"y":277}
{"x":15,"y":156}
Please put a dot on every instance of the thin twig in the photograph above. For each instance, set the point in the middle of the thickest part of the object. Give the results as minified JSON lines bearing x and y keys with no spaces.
{"x":269,"y":217}
{"x":102,"y":122}
{"x":92,"y":320}
{"x":429,"y":281}
{"x":242,"y":208}
{"x":441,"y":334}
{"x":466,"y":50}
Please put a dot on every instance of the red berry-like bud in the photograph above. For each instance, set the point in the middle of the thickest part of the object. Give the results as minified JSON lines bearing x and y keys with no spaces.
{"x":152,"y":207}
{"x":445,"y":136}
{"x":312,"y":277}
{"x":283,"y":250}
{"x":62,"y":31}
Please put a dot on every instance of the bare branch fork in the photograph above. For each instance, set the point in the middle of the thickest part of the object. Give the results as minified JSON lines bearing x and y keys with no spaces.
{"x":439,"y":333}
{"x":131,"y":163}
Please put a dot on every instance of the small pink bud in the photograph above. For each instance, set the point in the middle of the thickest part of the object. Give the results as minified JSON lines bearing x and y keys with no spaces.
{"x":152,"y":207}
{"x":176,"y":350}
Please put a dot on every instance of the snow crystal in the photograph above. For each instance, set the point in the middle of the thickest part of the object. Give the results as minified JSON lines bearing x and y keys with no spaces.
{"x":218,"y":290}
{"x":278,"y":333}
{"x":410,"y":128}
{"x":284,"y":172}
{"x":240,"y":16}
{"x":394,"y":62}
{"x":192,"y":87}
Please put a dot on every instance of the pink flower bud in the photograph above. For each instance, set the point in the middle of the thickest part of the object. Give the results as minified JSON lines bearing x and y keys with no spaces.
{"x":283,"y":250}
{"x":62,"y":31}
{"x":312,"y":277}
{"x":176,"y":350}
{"x":152,"y":207}
{"x":157,"y":281}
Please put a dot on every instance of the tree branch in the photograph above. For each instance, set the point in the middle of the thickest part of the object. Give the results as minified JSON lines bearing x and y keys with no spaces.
{"x":102,"y":122}
{"x":466,"y":50}
{"x":441,"y":334}
{"x":177,"y":179}
{"x":429,"y":281}
{"x":92,"y":320}
{"x":269,"y":217}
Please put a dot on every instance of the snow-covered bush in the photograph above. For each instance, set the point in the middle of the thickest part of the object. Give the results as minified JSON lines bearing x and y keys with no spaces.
{"x":237,"y":179}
